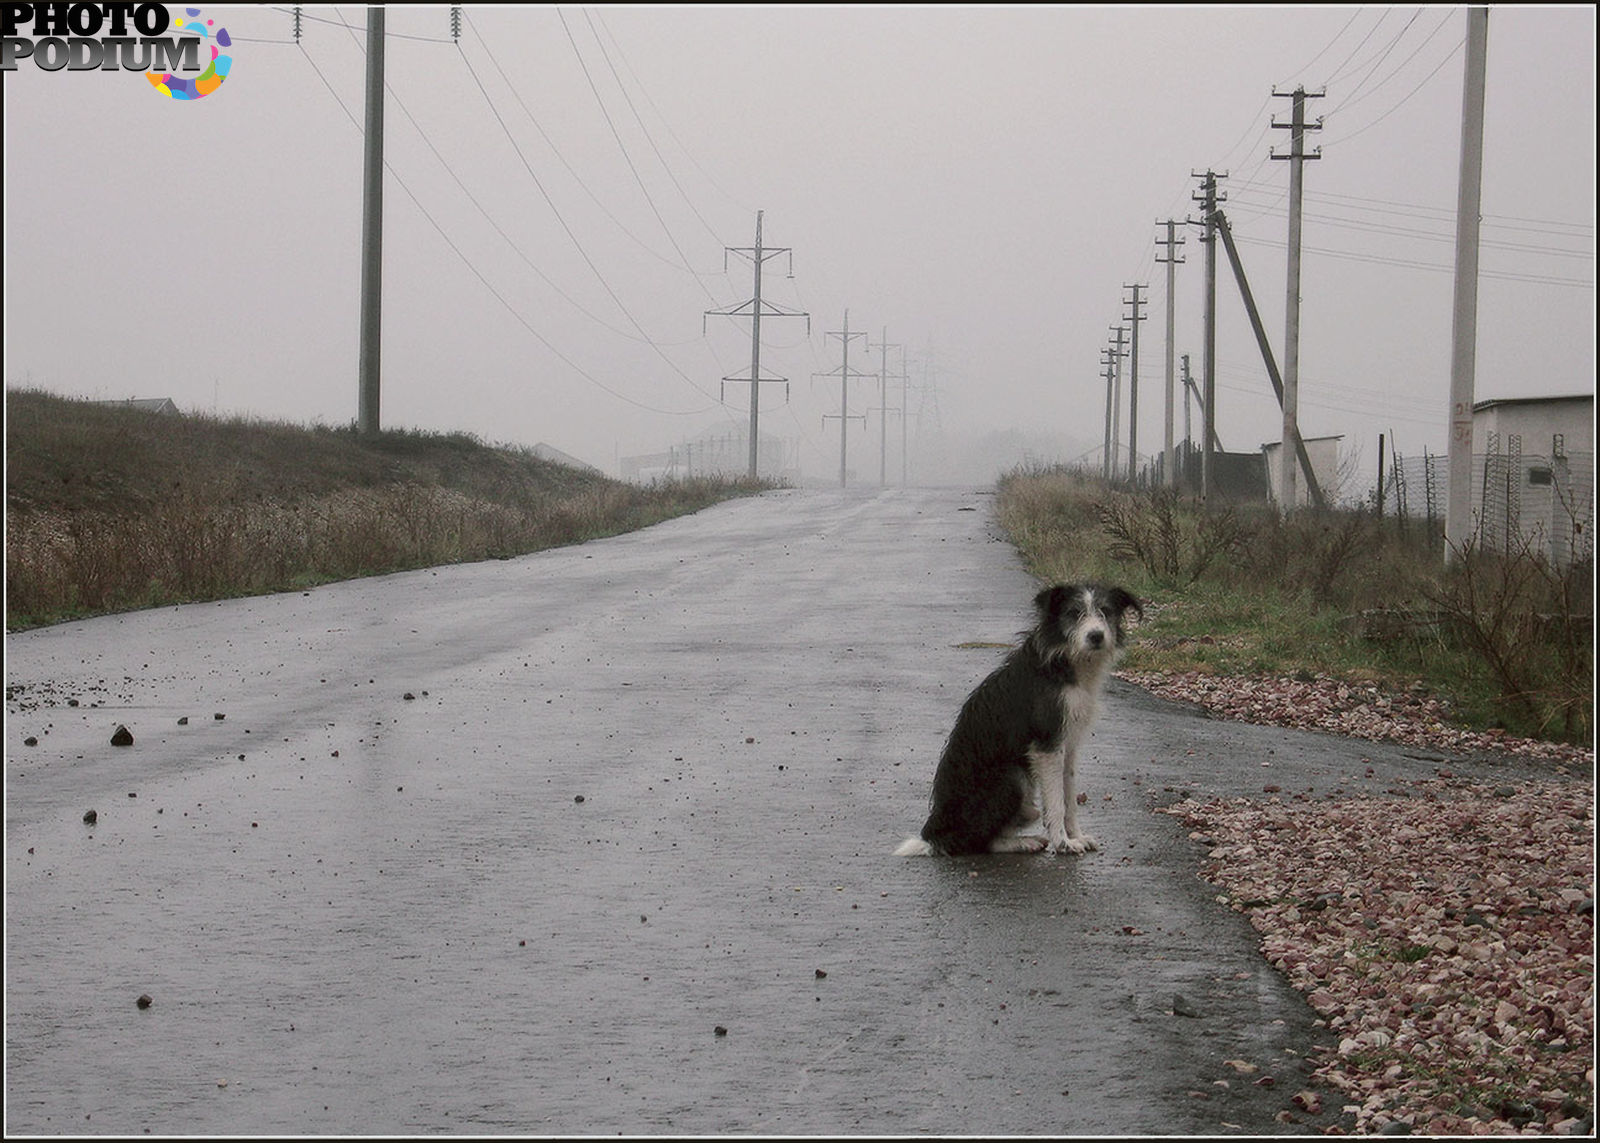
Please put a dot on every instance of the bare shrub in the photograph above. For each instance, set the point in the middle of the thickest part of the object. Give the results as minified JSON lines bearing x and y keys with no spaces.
{"x":1172,"y":541}
{"x":1531,"y":623}
{"x":1318,"y":552}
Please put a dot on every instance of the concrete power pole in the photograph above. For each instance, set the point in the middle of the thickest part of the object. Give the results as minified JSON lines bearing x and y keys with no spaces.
{"x":1188,"y":427}
{"x":1108,"y":363}
{"x":1169,"y":454}
{"x":1297,"y":157}
{"x":755,"y":308}
{"x":1117,"y":354}
{"x":369,"y":365}
{"x":1464,"y":317}
{"x":844,"y":373}
{"x":1133,"y":380}
{"x":1209,"y":198}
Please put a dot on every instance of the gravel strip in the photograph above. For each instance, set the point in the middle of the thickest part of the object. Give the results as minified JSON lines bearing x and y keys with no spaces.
{"x":1445,"y":937}
{"x":1358,"y":710}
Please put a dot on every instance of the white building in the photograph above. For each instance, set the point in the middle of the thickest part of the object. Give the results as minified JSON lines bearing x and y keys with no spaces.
{"x":1323,"y":453}
{"x":1533,"y":474}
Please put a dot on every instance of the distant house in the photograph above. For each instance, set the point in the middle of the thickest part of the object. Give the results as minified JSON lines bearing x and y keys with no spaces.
{"x":723,"y":450}
{"x":1323,"y":452}
{"x":1533,"y":474}
{"x":556,"y":456}
{"x":162,"y":405}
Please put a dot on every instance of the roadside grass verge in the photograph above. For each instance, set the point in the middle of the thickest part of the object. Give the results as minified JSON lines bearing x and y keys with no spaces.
{"x":1505,"y":639}
{"x":111,"y":509}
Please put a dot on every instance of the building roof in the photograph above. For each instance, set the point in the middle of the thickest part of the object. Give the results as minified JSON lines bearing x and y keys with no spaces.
{"x":1494,"y":402}
{"x":149,"y":404}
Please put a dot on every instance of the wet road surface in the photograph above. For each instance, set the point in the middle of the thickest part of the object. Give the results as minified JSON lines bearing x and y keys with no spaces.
{"x":598,"y":840}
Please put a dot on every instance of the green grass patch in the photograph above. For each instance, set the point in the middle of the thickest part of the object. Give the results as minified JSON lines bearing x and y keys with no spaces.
{"x":1238,"y":590}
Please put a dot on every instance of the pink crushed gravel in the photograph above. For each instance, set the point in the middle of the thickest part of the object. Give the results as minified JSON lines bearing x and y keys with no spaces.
{"x":1358,"y":710}
{"x":1445,"y":938}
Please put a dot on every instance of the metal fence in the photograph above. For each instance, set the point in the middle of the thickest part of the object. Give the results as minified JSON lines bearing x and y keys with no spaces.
{"x":1545,"y":502}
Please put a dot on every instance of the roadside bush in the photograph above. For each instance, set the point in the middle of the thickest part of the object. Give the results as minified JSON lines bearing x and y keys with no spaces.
{"x":1507,"y":637}
{"x":1532,"y":624}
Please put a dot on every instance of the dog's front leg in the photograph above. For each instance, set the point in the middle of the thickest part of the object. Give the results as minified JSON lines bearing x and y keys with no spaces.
{"x":1073,"y":840}
{"x":1048,"y":768}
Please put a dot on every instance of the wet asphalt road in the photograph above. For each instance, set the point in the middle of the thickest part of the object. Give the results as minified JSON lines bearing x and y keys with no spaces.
{"x":501,"y":847}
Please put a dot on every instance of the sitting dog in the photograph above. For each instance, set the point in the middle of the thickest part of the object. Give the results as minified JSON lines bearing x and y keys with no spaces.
{"x":1018,"y":733}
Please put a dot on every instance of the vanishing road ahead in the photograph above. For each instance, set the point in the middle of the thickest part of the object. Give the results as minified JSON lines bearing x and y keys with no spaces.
{"x":598,"y":840}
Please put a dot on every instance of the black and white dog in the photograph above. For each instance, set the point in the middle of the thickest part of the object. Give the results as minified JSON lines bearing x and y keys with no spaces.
{"x":1016,"y":739}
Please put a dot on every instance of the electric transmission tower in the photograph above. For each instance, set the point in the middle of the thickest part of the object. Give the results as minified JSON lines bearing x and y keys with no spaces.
{"x":756,"y":309}
{"x":844,"y":373}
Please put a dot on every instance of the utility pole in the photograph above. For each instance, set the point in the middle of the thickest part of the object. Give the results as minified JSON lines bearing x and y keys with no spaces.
{"x":844,"y":373}
{"x":1225,"y":231}
{"x":1464,"y":316}
{"x":1108,"y":362}
{"x":1188,"y":428}
{"x":369,"y":364}
{"x":1170,"y":461}
{"x":1133,"y":381}
{"x":1297,"y":157}
{"x":1209,"y":198}
{"x":1117,"y":354}
{"x":755,"y":308}
{"x":905,"y":415}
{"x":883,"y":408}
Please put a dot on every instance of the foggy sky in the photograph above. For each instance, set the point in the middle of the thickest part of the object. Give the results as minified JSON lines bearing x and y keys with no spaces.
{"x":980,"y":182}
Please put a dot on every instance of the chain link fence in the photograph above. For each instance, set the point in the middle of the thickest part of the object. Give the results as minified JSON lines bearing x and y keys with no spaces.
{"x":1546,"y":502}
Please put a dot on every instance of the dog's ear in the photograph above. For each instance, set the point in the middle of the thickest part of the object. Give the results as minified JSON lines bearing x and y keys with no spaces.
{"x":1048,"y":602}
{"x":1124,"y":601}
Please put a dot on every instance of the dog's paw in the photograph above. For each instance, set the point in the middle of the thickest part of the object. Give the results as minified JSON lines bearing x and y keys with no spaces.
{"x":1083,"y":843}
{"x":1018,"y":843}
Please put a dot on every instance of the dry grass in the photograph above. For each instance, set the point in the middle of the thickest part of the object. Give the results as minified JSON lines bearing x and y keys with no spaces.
{"x":112,"y":508}
{"x":1240,"y":591}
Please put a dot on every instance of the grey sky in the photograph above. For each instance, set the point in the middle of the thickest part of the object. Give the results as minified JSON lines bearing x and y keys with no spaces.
{"x":981,"y":181}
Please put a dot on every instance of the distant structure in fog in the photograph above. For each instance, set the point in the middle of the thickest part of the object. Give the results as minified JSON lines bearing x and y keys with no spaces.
{"x":162,"y":405}
{"x":721,"y":451}
{"x":556,"y":456}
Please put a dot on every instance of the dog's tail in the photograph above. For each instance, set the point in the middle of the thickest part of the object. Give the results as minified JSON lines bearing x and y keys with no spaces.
{"x":913,"y":847}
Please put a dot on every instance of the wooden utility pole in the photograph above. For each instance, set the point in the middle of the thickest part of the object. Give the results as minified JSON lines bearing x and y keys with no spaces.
{"x":1170,"y":461}
{"x":1297,"y":157}
{"x":369,"y":364}
{"x":1464,"y":315}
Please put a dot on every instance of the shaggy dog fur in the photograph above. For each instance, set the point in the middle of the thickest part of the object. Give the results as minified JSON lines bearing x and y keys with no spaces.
{"x":1016,"y":739}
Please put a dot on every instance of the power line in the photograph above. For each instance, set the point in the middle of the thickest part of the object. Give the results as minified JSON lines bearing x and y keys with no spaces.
{"x":1413,"y":264}
{"x":639,"y":119}
{"x":584,"y":254}
{"x":549,"y":142}
{"x":498,"y":296}
{"x":627,"y":158}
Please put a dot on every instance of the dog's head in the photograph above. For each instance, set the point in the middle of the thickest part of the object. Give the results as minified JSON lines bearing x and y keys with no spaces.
{"x":1082,"y":621}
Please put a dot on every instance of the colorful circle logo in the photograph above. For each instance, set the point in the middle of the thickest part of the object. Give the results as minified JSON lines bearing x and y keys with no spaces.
{"x":173,"y":87}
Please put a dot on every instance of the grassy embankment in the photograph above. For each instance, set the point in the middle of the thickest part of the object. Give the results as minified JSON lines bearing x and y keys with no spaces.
{"x":111,"y":508}
{"x":1240,"y":591}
